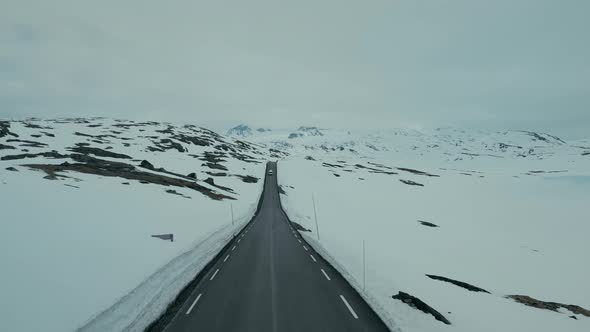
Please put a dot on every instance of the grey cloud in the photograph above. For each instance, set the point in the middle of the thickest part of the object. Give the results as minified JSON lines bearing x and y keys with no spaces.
{"x":495,"y":64}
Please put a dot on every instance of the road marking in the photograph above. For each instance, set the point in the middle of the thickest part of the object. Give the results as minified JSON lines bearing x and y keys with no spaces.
{"x":226,"y":258}
{"x":304,"y":247}
{"x":232,"y":249}
{"x":349,"y":307}
{"x":214,"y":274}
{"x":325,"y":274}
{"x":193,"y":305}
{"x":299,"y":241}
{"x":313,"y":258}
{"x":239,"y":240}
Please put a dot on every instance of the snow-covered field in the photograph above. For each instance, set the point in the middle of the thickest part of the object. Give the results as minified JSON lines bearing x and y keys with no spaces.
{"x":511,"y":210}
{"x":77,"y":251}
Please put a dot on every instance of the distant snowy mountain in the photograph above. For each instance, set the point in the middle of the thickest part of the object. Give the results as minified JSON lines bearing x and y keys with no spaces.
{"x":240,"y":131}
{"x":306,"y":131}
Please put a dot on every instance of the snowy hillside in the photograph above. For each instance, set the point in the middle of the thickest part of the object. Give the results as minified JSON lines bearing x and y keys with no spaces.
{"x":82,"y":199}
{"x":486,"y":231}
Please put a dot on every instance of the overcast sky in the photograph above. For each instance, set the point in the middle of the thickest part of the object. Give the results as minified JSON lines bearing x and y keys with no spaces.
{"x":334,"y":63}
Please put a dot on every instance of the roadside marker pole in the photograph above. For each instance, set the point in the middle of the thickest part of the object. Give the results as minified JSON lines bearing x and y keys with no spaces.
{"x":317,"y":229}
{"x":364,"y":268}
{"x":232,"y":218}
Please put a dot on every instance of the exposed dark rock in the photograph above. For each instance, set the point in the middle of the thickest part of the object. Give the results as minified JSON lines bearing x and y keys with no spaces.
{"x":34,"y":126}
{"x":192,"y":175}
{"x":126,"y":183}
{"x":31,"y":144}
{"x":336,"y":175}
{"x":299,"y":227}
{"x":6,"y":147}
{"x":215,"y":166}
{"x":174,"y":192}
{"x":90,"y":165}
{"x":212,"y":183}
{"x":47,"y":134}
{"x":411,"y":183}
{"x":374,"y":170}
{"x":553,"y":306}
{"x":586,"y":153}
{"x":98,"y":152}
{"x":5,"y":129}
{"x":71,"y":185}
{"x":458,"y":283}
{"x":52,"y":154}
{"x":12,"y":169}
{"x":217,"y":173}
{"x":36,"y":135}
{"x":415,"y":302}
{"x":413,"y":171}
{"x":282,"y":191}
{"x":573,"y":317}
{"x":248,"y":178}
{"x":426,"y":223}
{"x":380,"y":165}
{"x":332,"y":165}
{"x":146,"y":164}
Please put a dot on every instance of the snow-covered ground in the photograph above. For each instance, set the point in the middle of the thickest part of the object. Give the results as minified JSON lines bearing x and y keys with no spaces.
{"x":77,"y":251}
{"x":511,"y":210}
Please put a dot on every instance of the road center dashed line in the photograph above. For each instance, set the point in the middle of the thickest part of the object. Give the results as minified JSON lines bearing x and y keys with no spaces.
{"x":226,"y":257}
{"x":326,"y":275}
{"x":349,"y":307}
{"x":193,"y":305}
{"x":214,"y":274}
{"x":313,"y":258}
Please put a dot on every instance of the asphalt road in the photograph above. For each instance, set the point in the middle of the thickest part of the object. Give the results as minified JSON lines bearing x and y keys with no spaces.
{"x":269,"y":279}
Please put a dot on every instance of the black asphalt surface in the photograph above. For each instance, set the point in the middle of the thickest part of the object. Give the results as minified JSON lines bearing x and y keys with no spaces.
{"x":269,"y":279}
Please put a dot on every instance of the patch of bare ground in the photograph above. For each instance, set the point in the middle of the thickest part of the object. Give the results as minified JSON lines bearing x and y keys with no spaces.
{"x":6,"y":147}
{"x":411,"y":183}
{"x":428,"y":224}
{"x":282,"y":191}
{"x":31,"y":144}
{"x":553,"y":306}
{"x":5,"y":129}
{"x":416,"y":303}
{"x":416,"y":172}
{"x":299,"y":227}
{"x":374,"y":170}
{"x":53,"y":155}
{"x":98,"y":152}
{"x":90,"y":165}
{"x":458,"y":283}
{"x":174,"y":192}
{"x":247,"y":178}
{"x":211,"y":182}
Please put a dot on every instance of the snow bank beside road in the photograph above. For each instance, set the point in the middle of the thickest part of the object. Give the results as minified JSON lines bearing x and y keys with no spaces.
{"x":508,"y":235}
{"x":77,"y":247}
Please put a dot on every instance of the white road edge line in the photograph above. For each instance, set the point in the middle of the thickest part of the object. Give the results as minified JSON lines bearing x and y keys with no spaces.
{"x":193,"y":305}
{"x":313,"y":258}
{"x":240,"y":239}
{"x":349,"y":307}
{"x":299,"y":240}
{"x":226,"y":257}
{"x":304,"y":247}
{"x":326,"y":275}
{"x":232,"y":249}
{"x":214,"y":274}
